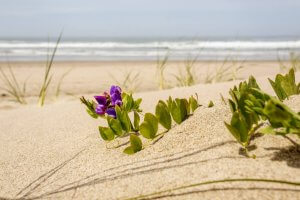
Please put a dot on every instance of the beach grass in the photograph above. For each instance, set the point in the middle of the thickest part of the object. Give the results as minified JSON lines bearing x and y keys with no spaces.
{"x":188,"y":76}
{"x":227,"y":71}
{"x":58,"y":88}
{"x":161,"y":65}
{"x":293,"y":62}
{"x":48,"y":76}
{"x":129,"y":81}
{"x":11,"y":85}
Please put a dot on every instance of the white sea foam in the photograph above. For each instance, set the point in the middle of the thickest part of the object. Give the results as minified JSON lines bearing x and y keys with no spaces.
{"x":166,"y":44}
{"x":149,"y":49}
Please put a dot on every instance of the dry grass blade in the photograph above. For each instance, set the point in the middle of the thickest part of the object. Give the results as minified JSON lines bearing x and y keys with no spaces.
{"x":47,"y":76}
{"x":58,"y":89}
{"x":130,"y":81}
{"x":187,"y":78}
{"x":293,"y":61}
{"x":12,"y":86}
{"x":226,"y":72}
{"x":160,"y":69}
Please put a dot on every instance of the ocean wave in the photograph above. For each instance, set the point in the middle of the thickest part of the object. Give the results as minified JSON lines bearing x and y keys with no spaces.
{"x":176,"y":45}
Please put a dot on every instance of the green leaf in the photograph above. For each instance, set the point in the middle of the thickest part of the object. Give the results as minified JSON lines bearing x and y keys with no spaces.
{"x":183,"y":105}
{"x":136,"y":122}
{"x":232,"y":105}
{"x":149,"y":127}
{"x":169,"y":103}
{"x":93,"y":114}
{"x":233,"y":131}
{"x":193,"y":103}
{"x":115,"y":125}
{"x":129,"y":150}
{"x":90,"y":107}
{"x":178,"y":110}
{"x":163,"y":115}
{"x":146,"y":130}
{"x":278,"y":90}
{"x":252,"y":83}
{"x":285,"y":85}
{"x":106,"y":133}
{"x":210,"y":104}
{"x":187,"y":109}
{"x":123,"y":117}
{"x":128,"y":102}
{"x":137,"y":103}
{"x":238,"y":128}
{"x":267,"y":130}
{"x":135,"y":145}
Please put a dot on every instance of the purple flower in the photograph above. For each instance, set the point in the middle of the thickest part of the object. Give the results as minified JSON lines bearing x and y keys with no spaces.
{"x":116,"y":99}
{"x":102,"y":104}
{"x":101,"y":100}
{"x":100,"y":109}
{"x":115,"y":95}
{"x":107,"y":102}
{"x":115,"y":90}
{"x":111,"y":112}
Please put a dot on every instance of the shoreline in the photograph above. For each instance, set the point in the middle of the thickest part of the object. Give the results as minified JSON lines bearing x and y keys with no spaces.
{"x":93,"y":77}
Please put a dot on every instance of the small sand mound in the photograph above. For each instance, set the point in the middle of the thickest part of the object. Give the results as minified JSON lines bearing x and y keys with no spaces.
{"x":59,"y":155}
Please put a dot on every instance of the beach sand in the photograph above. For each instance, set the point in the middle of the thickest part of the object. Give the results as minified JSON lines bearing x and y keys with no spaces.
{"x":56,"y":152}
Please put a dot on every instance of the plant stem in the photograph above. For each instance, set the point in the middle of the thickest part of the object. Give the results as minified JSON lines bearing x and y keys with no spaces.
{"x":251,"y":134}
{"x":214,"y":182}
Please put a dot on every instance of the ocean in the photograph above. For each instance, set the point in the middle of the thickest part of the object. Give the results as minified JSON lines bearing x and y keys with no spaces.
{"x":111,"y":49}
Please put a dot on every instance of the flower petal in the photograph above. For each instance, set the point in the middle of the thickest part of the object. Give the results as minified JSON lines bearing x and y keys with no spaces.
{"x":111,"y":112}
{"x":101,"y":100}
{"x":118,"y":102}
{"x":115,"y":90}
{"x":100,"y":109}
{"x":115,"y":98}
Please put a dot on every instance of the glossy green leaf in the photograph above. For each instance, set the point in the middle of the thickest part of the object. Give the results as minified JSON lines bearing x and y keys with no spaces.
{"x":193,"y":103}
{"x":115,"y":125}
{"x":136,"y":119}
{"x":267,"y":130}
{"x":128,"y":101}
{"x":90,"y":107}
{"x":129,"y":150}
{"x":238,"y":128}
{"x":106,"y":133}
{"x":93,"y":114}
{"x":149,"y":127}
{"x":285,"y":85}
{"x":135,"y":145}
{"x":124,"y":119}
{"x":169,"y":103}
{"x":137,"y":103}
{"x":210,"y":104}
{"x":163,"y":115}
{"x":178,"y":111}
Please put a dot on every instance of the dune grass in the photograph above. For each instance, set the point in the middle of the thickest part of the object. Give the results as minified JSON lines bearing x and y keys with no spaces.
{"x":160,"y":71}
{"x":48,"y":76}
{"x":58,"y":88}
{"x":293,"y":62}
{"x":188,"y":76}
{"x":129,"y":81}
{"x":11,"y":85}
{"x":227,"y":71}
{"x":169,"y":192}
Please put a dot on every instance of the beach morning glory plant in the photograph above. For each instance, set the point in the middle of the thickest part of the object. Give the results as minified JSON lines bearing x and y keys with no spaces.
{"x":123,"y":115}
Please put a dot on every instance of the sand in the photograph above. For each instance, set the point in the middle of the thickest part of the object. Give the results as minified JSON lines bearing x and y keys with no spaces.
{"x":56,"y":152}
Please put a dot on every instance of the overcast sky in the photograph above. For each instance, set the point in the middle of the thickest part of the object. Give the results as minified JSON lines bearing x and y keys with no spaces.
{"x":149,"y":18}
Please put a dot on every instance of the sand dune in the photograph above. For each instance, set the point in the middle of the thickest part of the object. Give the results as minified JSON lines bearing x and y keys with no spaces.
{"x":56,"y":152}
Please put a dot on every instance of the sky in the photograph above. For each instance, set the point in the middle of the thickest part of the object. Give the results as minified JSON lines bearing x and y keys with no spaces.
{"x":149,"y":18}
